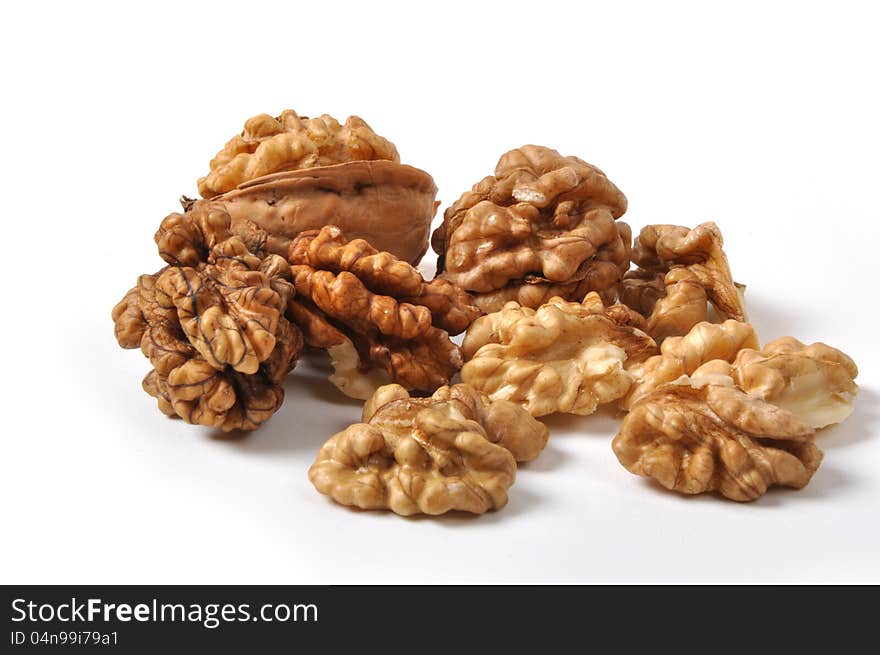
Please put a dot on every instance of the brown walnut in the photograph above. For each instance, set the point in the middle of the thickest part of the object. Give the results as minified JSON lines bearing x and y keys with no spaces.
{"x":456,"y":450}
{"x":212,"y":323}
{"x":563,"y":357}
{"x":696,"y":439}
{"x":291,"y":142}
{"x":815,"y":382}
{"x":291,"y":174}
{"x":682,"y":356}
{"x":544,"y":225}
{"x":376,"y":315}
{"x":680,"y":271}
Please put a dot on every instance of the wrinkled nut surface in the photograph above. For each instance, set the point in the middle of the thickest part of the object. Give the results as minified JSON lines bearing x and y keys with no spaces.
{"x":682,"y":356}
{"x":716,"y":438}
{"x":187,"y":239}
{"x":291,"y":142}
{"x":563,"y":357}
{"x":544,"y":225}
{"x":534,"y":294}
{"x":380,"y":320}
{"x":212,"y":324}
{"x":815,"y":382}
{"x":680,"y":271}
{"x":456,"y":450}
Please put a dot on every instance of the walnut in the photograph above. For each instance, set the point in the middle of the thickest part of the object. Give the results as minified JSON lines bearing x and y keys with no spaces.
{"x":563,"y":357}
{"x":376,"y":314}
{"x":456,"y":450}
{"x":212,"y":324}
{"x":290,"y":142}
{"x":681,"y":270}
{"x":696,"y":439}
{"x":593,"y":303}
{"x":682,"y":356}
{"x":186,"y":239}
{"x":816,"y":382}
{"x":291,"y":174}
{"x":543,"y":225}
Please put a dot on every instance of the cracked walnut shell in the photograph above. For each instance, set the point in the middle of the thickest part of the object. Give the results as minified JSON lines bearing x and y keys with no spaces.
{"x":388,"y":204}
{"x":696,"y":439}
{"x":381,"y":321}
{"x":543,"y":225}
{"x":214,"y":330}
{"x":563,"y":357}
{"x":291,"y":142}
{"x":681,"y":270}
{"x":456,"y":450}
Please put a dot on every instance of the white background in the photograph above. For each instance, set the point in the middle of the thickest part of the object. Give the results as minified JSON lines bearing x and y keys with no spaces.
{"x":760,"y":116}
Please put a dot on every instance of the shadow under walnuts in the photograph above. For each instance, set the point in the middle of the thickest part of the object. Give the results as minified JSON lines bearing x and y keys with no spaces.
{"x":292,"y":428}
{"x":520,"y":501}
{"x":860,"y":425}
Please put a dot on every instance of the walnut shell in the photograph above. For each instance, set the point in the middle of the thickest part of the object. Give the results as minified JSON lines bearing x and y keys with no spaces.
{"x":388,"y":204}
{"x":696,"y":439}
{"x":543,"y":225}
{"x":456,"y":450}
{"x":562,"y":357}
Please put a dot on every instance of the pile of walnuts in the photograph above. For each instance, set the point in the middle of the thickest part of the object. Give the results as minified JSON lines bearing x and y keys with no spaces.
{"x":305,"y":240}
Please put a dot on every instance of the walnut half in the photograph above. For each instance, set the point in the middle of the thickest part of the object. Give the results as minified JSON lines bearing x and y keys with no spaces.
{"x":376,"y":315}
{"x":682,"y":356}
{"x":562,"y":357}
{"x":212,"y":324}
{"x":543,"y":225}
{"x":815,"y":382}
{"x":456,"y":450}
{"x":695,"y":439}
{"x":680,"y":272}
